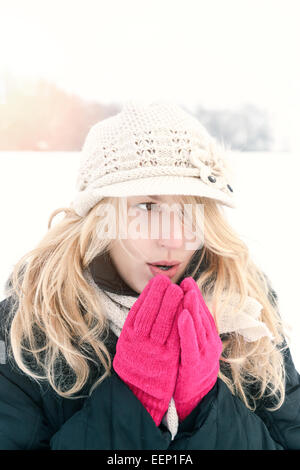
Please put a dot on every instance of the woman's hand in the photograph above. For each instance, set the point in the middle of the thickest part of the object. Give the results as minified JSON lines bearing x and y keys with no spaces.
{"x":200,"y":350}
{"x":147,"y":352}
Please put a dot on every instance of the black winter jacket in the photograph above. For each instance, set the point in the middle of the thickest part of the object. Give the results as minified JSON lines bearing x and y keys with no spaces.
{"x":33,"y":416}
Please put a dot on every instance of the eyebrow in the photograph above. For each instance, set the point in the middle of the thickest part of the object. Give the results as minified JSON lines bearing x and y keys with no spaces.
{"x":157,"y":198}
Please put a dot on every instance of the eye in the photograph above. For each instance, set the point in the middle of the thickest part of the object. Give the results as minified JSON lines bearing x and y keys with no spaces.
{"x":147,"y":204}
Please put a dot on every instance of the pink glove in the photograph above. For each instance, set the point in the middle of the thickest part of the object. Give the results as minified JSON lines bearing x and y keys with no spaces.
{"x":147,"y":351}
{"x":201,"y":348}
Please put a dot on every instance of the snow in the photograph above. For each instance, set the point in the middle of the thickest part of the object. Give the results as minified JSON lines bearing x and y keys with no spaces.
{"x":266,"y":186}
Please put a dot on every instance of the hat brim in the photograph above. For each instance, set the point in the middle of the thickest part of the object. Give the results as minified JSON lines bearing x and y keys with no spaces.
{"x":155,"y":185}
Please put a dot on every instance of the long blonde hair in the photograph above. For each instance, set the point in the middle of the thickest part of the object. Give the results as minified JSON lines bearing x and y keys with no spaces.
{"x":58,"y":315}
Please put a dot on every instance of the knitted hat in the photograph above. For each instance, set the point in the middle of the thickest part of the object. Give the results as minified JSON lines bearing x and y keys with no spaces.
{"x":150,"y":149}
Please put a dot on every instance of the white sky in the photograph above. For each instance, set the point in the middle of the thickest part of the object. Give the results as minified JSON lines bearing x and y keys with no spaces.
{"x":215,"y":53}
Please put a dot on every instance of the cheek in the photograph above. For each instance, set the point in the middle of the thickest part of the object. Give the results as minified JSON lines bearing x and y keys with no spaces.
{"x":141,"y":252}
{"x":140,"y":248}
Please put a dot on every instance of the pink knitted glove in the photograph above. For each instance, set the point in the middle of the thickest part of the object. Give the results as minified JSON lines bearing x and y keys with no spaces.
{"x":201,"y":348}
{"x":147,"y":351}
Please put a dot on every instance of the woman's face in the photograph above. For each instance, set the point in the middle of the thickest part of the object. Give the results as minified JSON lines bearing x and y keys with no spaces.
{"x":160,"y":241}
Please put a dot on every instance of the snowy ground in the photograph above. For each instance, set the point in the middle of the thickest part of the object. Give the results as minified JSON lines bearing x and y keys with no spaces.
{"x":266,"y":186}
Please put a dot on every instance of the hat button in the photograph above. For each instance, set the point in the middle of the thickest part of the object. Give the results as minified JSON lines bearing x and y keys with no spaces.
{"x":212,"y":179}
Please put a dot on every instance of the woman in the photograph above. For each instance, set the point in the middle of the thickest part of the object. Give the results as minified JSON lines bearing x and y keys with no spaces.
{"x":104,"y":349}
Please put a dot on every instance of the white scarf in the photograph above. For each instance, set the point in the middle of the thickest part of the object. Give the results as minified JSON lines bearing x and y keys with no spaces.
{"x":244,"y":321}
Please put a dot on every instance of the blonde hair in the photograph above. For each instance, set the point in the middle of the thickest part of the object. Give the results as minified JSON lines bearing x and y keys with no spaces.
{"x":59,"y":316}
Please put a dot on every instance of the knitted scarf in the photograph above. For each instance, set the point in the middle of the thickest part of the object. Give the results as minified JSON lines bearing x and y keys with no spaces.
{"x":245,"y":322}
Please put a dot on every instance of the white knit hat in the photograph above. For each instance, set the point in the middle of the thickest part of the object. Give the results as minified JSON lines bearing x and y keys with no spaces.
{"x":150,"y":149}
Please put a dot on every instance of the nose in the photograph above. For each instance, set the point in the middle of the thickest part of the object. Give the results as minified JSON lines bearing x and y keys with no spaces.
{"x":170,"y":235}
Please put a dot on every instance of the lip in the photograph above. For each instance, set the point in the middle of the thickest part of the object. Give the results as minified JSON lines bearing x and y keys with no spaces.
{"x":170,"y":273}
{"x":165,"y":262}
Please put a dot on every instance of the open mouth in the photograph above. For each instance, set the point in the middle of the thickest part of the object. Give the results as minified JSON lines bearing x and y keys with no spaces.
{"x":169,"y":270}
{"x":164,"y":268}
